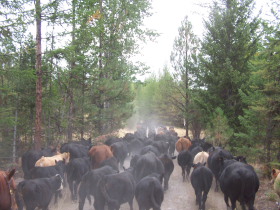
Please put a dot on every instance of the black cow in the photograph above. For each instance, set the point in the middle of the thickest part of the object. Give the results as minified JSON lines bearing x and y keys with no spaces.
{"x":214,"y":163}
{"x":162,"y":146}
{"x":135,"y":146}
{"x":149,"y":193}
{"x":38,"y":192}
{"x":111,"y":140}
{"x":128,"y":137}
{"x":120,"y":151}
{"x":195,"y":150}
{"x":185,"y":160}
{"x":202,"y":143}
{"x":83,"y":141}
{"x":29,"y":159}
{"x":112,"y":161}
{"x":150,"y":148}
{"x":147,"y":164}
{"x":49,"y":171}
{"x":133,"y":160}
{"x":238,"y":181}
{"x":89,"y":183}
{"x":115,"y":189}
{"x":168,"y":168}
{"x":201,"y":180}
{"x":76,"y":150}
{"x":75,"y":170}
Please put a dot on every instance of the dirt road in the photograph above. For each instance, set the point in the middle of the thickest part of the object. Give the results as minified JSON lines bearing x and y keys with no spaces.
{"x":179,"y":196}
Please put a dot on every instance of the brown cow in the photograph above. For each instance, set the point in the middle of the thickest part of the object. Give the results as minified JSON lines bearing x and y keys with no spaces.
{"x":183,"y":144}
{"x":7,"y":190}
{"x":98,"y":154}
{"x":51,"y":161}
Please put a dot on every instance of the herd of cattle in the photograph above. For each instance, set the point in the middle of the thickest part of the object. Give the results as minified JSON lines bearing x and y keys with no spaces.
{"x":98,"y":171}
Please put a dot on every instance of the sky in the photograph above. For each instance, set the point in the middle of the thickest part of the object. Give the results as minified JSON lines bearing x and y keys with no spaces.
{"x":166,"y":19}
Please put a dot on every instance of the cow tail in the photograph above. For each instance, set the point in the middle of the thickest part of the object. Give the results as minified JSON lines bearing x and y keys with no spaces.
{"x":154,"y":202}
{"x":242,"y":192}
{"x":102,"y":184}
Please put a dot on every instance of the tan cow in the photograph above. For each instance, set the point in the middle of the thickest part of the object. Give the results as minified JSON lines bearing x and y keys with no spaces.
{"x":201,"y":157}
{"x":276,"y":180}
{"x":183,"y":144}
{"x":50,"y":161}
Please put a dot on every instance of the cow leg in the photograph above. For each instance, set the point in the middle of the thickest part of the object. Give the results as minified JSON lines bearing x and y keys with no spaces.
{"x":233,"y":203}
{"x":226,"y":200}
{"x":131,"y":204}
{"x":98,"y":204}
{"x":82,"y":196}
{"x":166,"y":178}
{"x":55,"y":197}
{"x":30,"y":207}
{"x":111,"y":207}
{"x":188,"y":169}
{"x":250,"y":204}
{"x":243,"y":205}
{"x":70,"y":183}
{"x":196,"y":196}
{"x":45,"y":208}
{"x":217,"y":185}
{"x":204,"y":198}
{"x":81,"y":203}
{"x":183,"y":173}
{"x":76,"y":184}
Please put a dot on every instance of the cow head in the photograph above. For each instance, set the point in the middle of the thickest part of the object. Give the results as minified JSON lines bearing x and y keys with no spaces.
{"x":60,"y":180}
{"x":66,"y":157}
{"x":275,"y":173}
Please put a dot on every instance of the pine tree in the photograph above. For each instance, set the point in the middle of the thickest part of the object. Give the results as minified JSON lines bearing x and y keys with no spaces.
{"x":230,"y":41}
{"x":184,"y":61}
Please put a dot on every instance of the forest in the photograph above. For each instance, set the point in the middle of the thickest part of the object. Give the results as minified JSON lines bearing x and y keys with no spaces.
{"x":66,"y":73}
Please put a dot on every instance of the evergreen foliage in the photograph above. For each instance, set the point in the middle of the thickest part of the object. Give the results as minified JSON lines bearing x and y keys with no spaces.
{"x":230,"y":41}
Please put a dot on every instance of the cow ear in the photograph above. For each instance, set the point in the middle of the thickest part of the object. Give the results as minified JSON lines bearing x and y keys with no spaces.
{"x":11,"y":173}
{"x":273,"y":171}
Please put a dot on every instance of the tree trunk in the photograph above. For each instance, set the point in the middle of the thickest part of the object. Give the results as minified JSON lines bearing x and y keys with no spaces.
{"x":268,"y":138}
{"x":100,"y":120}
{"x":70,"y":88}
{"x":15,"y":133}
{"x":38,"y":120}
{"x":82,"y":124}
{"x":186,"y":92}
